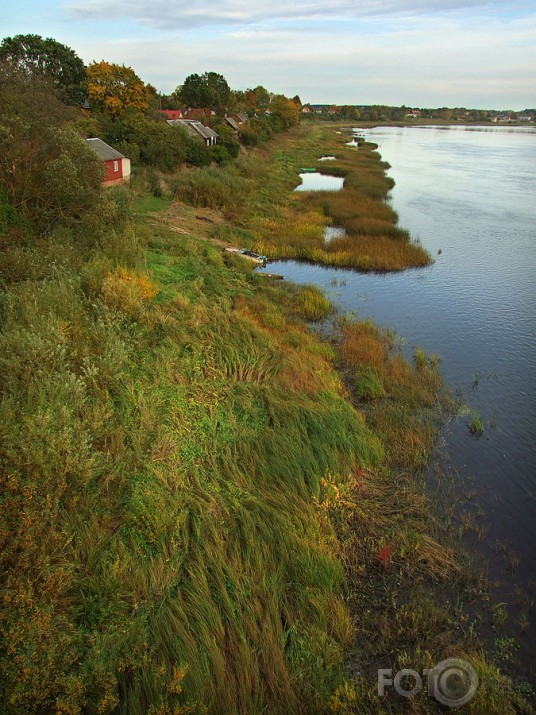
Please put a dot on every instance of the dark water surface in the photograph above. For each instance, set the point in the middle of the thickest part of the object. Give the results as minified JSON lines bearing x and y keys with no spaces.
{"x":470,"y":194}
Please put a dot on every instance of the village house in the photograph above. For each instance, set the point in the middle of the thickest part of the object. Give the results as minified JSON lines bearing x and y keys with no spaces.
{"x":197,"y":130}
{"x":413,"y":113}
{"x":240,"y":118}
{"x":232,"y":123}
{"x":200,"y":114}
{"x":117,"y":166}
{"x":171,"y":113}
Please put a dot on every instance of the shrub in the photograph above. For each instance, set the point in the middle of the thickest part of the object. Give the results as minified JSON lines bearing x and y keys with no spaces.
{"x":312,"y":304}
{"x":368,"y":384}
{"x":126,"y":290}
{"x":216,"y":188}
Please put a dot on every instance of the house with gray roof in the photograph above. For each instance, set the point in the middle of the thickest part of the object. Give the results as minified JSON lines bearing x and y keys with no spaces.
{"x":117,"y":166}
{"x":195,"y":129}
{"x":232,"y":124}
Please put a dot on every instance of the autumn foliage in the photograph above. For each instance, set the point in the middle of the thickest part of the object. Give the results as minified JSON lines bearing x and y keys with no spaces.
{"x":115,"y":88}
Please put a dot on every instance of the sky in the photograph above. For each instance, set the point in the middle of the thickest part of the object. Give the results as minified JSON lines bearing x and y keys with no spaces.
{"x":420,"y":53}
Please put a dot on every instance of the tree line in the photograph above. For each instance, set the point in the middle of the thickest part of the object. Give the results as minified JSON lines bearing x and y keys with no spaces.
{"x":111,"y":101}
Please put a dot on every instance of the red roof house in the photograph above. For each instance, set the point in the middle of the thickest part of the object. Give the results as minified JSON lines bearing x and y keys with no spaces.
{"x":171,"y":113}
{"x":117,"y":165}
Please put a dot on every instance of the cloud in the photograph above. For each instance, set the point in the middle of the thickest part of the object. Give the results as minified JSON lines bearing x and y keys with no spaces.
{"x":185,"y":14}
{"x":432,"y":61}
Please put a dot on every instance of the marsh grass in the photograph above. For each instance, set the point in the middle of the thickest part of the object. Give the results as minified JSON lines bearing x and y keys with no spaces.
{"x":200,"y":512}
{"x":292,"y":229}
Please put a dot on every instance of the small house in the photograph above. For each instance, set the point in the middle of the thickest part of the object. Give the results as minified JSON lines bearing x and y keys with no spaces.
{"x":240,"y":118}
{"x":170,"y":113}
{"x":195,"y":129}
{"x":199,"y":113}
{"x":117,"y":165}
{"x":232,"y":123}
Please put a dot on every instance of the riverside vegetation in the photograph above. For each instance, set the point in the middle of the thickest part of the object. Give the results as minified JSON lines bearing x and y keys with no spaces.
{"x":207,"y":508}
{"x":256,"y":193}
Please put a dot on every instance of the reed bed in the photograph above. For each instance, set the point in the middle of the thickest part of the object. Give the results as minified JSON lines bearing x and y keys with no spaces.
{"x":203,"y":509}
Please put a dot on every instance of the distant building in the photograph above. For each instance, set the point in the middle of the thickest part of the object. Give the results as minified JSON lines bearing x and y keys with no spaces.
{"x":232,"y":123}
{"x":171,"y":113}
{"x":201,"y":114}
{"x":117,"y":165}
{"x":413,"y":113}
{"x":197,"y":130}
{"x":240,"y":118}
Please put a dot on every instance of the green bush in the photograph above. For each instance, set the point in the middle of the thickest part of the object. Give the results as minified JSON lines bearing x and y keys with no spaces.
{"x":368,"y":384}
{"x":216,"y":188}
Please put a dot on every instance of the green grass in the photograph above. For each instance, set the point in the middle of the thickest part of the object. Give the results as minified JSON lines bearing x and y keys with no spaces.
{"x":147,"y":203}
{"x":196,"y":497}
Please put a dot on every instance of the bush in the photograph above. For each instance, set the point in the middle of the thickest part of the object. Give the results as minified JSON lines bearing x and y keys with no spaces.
{"x":159,"y":144}
{"x":368,"y":384}
{"x":228,"y":140}
{"x":215,"y":188}
{"x":219,"y":154}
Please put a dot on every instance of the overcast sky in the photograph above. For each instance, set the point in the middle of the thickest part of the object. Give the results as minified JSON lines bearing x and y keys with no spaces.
{"x":421,"y":53}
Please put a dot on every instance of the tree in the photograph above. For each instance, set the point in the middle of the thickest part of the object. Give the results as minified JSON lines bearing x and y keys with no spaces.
{"x":207,"y":90}
{"x":284,"y":111}
{"x":47,"y":170}
{"x":258,"y":98}
{"x":47,"y":57}
{"x":115,"y":88}
{"x":159,"y":145}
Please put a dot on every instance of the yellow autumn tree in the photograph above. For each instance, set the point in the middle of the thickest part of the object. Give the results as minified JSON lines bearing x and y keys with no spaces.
{"x":115,"y":88}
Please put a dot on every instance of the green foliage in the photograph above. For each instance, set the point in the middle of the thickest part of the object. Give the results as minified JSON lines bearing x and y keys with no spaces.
{"x":159,"y":144}
{"x":48,"y":174}
{"x":215,"y":188}
{"x":228,"y":140}
{"x":11,"y":222}
{"x":368,"y":384}
{"x":476,"y":424}
{"x":311,"y":304}
{"x":49,"y":58}
{"x":115,"y":89}
{"x":208,"y":90}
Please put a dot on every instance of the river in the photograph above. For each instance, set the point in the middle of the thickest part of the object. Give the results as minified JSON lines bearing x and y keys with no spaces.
{"x":469,"y":195}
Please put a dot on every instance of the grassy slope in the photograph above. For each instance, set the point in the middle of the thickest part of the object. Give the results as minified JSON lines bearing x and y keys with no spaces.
{"x":188,"y":478}
{"x":266,"y":214}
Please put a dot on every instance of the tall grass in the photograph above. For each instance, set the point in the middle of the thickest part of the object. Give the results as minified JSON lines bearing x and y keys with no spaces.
{"x":288,"y":225}
{"x":193,"y":496}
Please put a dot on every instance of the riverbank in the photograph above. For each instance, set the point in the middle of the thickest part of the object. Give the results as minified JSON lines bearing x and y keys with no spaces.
{"x":221,"y":512}
{"x":265,"y":213}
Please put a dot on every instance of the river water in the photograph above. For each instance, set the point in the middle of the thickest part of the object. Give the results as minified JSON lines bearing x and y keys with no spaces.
{"x":469,"y":196}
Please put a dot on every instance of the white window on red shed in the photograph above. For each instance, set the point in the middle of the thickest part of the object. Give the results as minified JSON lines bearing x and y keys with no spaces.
{"x":116,"y":166}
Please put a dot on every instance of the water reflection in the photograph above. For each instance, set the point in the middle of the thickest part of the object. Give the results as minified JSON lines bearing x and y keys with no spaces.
{"x":319,"y":182}
{"x":331,"y":232}
{"x":469,"y":193}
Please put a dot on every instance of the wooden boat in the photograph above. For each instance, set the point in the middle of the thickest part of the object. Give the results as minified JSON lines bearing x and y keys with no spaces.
{"x":250,"y":255}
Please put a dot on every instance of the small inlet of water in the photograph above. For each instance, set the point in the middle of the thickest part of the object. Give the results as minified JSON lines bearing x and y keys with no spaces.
{"x":319,"y":182}
{"x":331,"y":232}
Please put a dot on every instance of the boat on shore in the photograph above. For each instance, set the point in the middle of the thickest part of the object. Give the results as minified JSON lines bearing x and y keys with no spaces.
{"x":250,"y":255}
